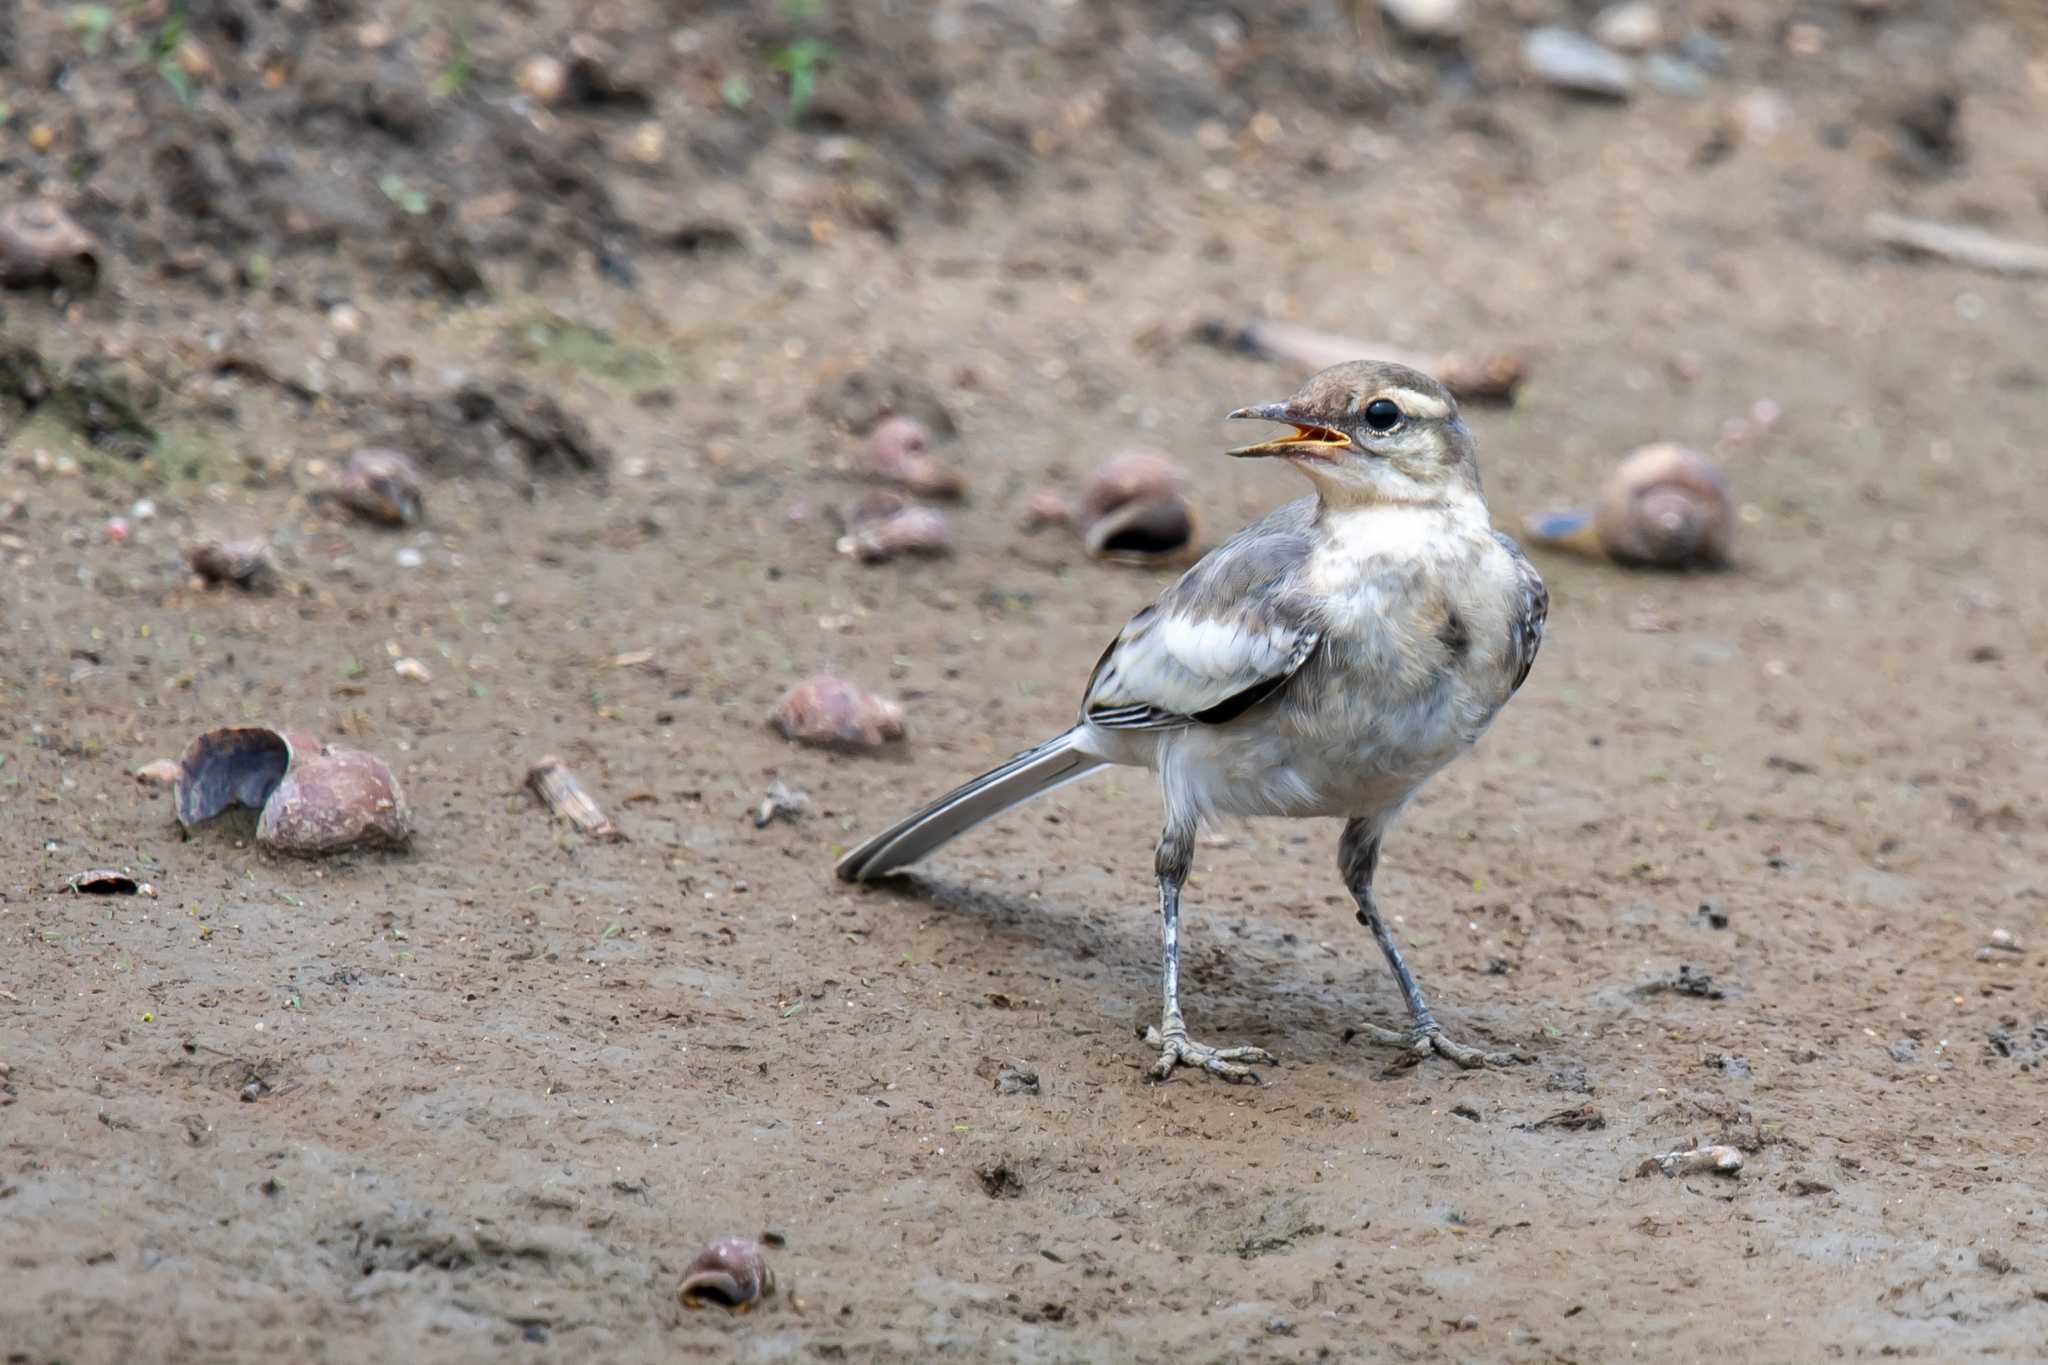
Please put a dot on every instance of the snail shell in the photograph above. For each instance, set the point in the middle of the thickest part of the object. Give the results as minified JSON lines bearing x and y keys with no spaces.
{"x":1665,"y":506}
{"x":1133,"y":511}
{"x":832,"y":713}
{"x":884,"y":525}
{"x":382,"y":485}
{"x":312,"y":799}
{"x":899,"y":452}
{"x":243,"y":563}
{"x":333,"y":800}
{"x":39,"y":243}
{"x":732,"y":1271}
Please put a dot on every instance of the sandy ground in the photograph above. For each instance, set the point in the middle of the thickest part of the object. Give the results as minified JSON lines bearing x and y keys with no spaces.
{"x":487,"y":1098}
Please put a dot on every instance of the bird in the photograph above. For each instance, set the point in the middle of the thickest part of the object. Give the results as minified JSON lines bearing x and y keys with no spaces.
{"x":1322,"y":663}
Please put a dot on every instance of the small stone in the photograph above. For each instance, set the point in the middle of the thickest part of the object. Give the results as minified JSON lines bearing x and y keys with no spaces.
{"x":1716,"y":1160}
{"x":412,"y":670}
{"x":1570,"y":61}
{"x":648,"y":144}
{"x":1634,"y":26}
{"x":1669,"y":75}
{"x":780,"y":801}
{"x":408,"y":558}
{"x":1016,"y":1080}
{"x":1759,"y":116}
{"x":1805,"y":40}
{"x":1428,"y":19}
{"x":544,"y":80}
{"x":1046,"y":507}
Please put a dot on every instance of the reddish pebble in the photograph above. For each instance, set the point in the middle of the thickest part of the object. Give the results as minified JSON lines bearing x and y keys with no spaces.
{"x":1046,"y":507}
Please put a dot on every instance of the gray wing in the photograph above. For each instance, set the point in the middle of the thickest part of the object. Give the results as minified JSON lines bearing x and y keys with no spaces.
{"x":1532,"y":609}
{"x":1228,"y":635}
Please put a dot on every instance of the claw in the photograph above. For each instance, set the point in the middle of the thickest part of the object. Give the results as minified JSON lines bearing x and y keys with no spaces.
{"x":1175,"y":1050}
{"x":1420,"y":1043}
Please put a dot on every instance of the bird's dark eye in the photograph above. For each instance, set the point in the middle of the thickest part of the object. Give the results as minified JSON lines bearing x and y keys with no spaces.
{"x":1382,"y":414}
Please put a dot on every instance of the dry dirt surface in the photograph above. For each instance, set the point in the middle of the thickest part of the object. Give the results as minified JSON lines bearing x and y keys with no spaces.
{"x":1755,"y":858}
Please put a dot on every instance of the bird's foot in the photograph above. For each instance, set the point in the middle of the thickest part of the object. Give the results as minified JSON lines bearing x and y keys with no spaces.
{"x":1175,"y":1049}
{"x":1428,"y":1038}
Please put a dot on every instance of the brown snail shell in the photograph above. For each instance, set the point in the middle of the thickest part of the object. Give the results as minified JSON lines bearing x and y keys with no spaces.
{"x":244,"y":563}
{"x":1665,"y":506}
{"x":382,"y":485}
{"x":832,"y":713}
{"x":884,"y":525}
{"x":335,"y":800}
{"x":732,"y":1271}
{"x":898,"y":451}
{"x":40,"y":244}
{"x":1133,"y":511}
{"x":312,"y":799}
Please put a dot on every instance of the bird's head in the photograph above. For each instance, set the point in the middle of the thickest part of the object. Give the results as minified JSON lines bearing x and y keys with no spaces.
{"x":1372,"y":432}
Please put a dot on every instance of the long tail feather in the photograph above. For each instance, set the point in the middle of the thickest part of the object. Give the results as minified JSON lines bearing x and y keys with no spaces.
{"x":1052,"y":764}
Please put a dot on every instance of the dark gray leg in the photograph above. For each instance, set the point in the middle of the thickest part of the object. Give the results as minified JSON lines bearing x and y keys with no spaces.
{"x":1176,"y":854}
{"x":1358,"y":854}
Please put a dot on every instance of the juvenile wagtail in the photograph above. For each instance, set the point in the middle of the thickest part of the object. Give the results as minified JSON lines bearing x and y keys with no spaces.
{"x":1323,"y":662}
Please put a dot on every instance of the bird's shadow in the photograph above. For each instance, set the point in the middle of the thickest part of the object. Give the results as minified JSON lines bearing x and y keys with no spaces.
{"x":1242,"y":980}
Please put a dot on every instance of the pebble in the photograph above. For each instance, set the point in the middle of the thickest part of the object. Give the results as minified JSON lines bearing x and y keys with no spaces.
{"x":1704,"y":51}
{"x":408,"y":558}
{"x":1571,"y":61}
{"x":1669,"y":75}
{"x":544,"y":80}
{"x":1634,"y":26}
{"x":1759,"y":115}
{"x":1698,"y":1161}
{"x":1428,"y":18}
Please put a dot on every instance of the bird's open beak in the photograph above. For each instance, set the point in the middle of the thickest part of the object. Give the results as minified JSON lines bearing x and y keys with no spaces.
{"x":1309,"y":441}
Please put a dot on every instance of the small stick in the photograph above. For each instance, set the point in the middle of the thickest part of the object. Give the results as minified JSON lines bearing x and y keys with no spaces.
{"x":1963,"y":245}
{"x":1478,"y":378}
{"x":559,"y":790}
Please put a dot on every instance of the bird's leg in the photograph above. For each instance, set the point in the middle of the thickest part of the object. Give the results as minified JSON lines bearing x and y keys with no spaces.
{"x":1358,"y":854}
{"x":1176,"y":853}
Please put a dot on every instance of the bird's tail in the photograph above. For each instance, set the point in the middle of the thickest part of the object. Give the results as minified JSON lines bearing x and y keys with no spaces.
{"x":1052,"y":764}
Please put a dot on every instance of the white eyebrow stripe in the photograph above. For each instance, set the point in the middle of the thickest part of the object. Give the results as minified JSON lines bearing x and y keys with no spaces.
{"x":1418,"y":404}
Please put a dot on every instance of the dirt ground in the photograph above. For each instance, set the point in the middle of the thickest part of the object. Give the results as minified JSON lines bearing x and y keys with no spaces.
{"x":485,"y":1099}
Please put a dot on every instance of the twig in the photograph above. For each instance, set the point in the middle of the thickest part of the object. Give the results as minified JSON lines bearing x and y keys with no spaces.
{"x":1963,"y":245}
{"x":1478,"y":378}
{"x":559,"y":790}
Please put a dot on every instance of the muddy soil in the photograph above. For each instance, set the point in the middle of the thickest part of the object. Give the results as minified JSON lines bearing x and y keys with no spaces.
{"x":1729,"y":868}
